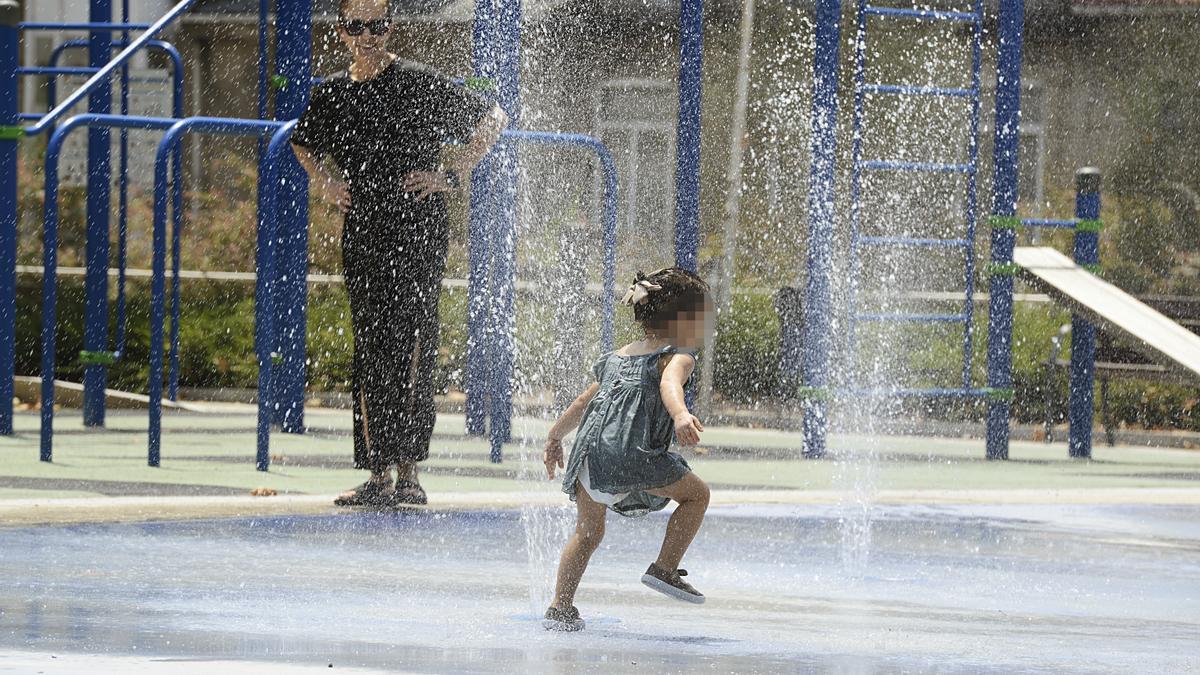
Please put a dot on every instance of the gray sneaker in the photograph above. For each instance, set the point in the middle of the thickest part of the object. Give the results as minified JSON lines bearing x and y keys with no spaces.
{"x":562,"y":620}
{"x":670,"y":584}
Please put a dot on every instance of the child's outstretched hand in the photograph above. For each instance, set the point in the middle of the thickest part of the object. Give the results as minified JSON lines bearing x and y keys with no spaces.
{"x":687,"y":428}
{"x":553,"y":456}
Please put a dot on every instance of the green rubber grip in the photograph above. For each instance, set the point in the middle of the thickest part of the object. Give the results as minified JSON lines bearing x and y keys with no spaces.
{"x":999,"y":393}
{"x":11,"y":133}
{"x":1094,"y":268}
{"x":1089,"y":226}
{"x":1003,"y":269}
{"x":479,"y":83}
{"x":814,"y":393}
{"x":278,"y":81}
{"x":1004,"y":222}
{"x":89,"y":358}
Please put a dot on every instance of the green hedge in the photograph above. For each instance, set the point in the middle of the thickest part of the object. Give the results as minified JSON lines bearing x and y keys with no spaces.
{"x":217,"y":337}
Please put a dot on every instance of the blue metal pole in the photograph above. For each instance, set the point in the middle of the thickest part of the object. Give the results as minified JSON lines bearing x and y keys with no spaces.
{"x":687,"y":148}
{"x":95,"y":311}
{"x":483,"y":57}
{"x":293,"y":54}
{"x":1083,"y":332}
{"x":50,"y":252}
{"x":818,"y":322}
{"x":264,"y":290}
{"x":504,"y":249}
{"x":10,"y":136}
{"x":1004,"y":226}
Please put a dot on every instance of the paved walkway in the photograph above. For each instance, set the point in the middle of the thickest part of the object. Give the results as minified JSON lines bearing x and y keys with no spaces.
{"x":208,"y":468}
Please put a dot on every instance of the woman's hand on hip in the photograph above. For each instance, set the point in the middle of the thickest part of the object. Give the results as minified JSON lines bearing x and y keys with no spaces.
{"x":336,"y":192}
{"x":425,"y":183}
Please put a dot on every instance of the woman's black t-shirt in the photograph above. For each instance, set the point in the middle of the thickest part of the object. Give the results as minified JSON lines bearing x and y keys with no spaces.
{"x":380,"y":129}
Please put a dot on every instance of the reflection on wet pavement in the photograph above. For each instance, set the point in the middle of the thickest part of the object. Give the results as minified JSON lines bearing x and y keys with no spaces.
{"x":976,"y":588}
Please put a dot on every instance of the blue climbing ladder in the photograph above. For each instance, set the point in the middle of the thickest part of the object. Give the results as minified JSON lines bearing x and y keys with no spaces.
{"x":973,"y":20}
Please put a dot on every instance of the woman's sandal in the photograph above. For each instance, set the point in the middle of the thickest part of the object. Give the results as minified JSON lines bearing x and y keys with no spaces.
{"x":408,"y":493}
{"x":370,"y":493}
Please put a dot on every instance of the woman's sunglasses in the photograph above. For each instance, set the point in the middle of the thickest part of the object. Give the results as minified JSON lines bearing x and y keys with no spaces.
{"x":358,"y":27}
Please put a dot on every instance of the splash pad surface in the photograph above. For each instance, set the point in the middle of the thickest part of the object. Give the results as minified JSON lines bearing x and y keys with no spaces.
{"x":1004,"y":588}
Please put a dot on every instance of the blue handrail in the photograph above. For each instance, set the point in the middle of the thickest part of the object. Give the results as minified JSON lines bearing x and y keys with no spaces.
{"x":107,"y":70}
{"x":210,"y":125}
{"x":609,"y":169}
{"x":50,"y":250}
{"x":84,"y":25}
{"x":56,"y":70}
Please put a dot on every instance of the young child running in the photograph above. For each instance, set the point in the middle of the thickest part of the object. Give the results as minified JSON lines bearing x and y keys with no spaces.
{"x":621,"y":459}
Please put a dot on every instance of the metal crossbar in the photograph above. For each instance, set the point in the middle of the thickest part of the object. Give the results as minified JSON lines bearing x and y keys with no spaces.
{"x":920,"y":14}
{"x":914,"y":242}
{"x":910,"y":90}
{"x":969,"y":169}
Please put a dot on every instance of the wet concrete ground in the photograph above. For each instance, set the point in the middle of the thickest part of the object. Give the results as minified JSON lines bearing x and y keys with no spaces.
{"x":999,"y":589}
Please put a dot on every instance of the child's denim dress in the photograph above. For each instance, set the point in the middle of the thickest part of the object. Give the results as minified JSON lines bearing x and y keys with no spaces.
{"x":623,"y":443}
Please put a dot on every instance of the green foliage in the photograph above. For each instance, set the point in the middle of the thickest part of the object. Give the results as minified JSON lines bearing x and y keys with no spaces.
{"x":746,"y":363}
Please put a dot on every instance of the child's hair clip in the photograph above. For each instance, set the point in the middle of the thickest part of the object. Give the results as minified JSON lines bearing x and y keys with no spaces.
{"x":639,"y":291}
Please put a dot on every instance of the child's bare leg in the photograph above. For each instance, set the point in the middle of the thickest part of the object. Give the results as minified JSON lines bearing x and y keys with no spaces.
{"x":692,"y":495}
{"x":589,"y":531}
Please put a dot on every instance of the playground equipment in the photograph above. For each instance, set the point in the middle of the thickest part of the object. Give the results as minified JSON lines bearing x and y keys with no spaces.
{"x":281,"y":255}
{"x":818,"y":387}
{"x":1115,"y":310}
{"x":1106,"y":305}
{"x":282,"y":235}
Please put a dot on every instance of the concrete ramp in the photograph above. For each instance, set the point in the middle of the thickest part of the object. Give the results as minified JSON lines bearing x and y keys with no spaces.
{"x":1156,"y":336}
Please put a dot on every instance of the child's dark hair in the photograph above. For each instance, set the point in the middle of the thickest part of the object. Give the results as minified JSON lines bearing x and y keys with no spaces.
{"x":678,"y":291}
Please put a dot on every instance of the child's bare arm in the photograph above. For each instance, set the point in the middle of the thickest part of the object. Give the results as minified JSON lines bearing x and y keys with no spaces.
{"x":574,"y":413}
{"x":566,"y":423}
{"x":675,"y":373}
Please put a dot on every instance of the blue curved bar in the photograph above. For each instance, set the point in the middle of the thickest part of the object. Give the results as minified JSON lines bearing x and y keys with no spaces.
{"x":166,"y":149}
{"x":609,"y":169}
{"x":50,"y":250}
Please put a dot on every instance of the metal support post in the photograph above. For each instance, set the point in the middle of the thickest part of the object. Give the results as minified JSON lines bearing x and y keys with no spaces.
{"x":818,"y":321}
{"x":1083,"y":332}
{"x":687,"y":148}
{"x":293,"y":35}
{"x":10,"y":136}
{"x":99,"y":177}
{"x":1004,"y":224}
